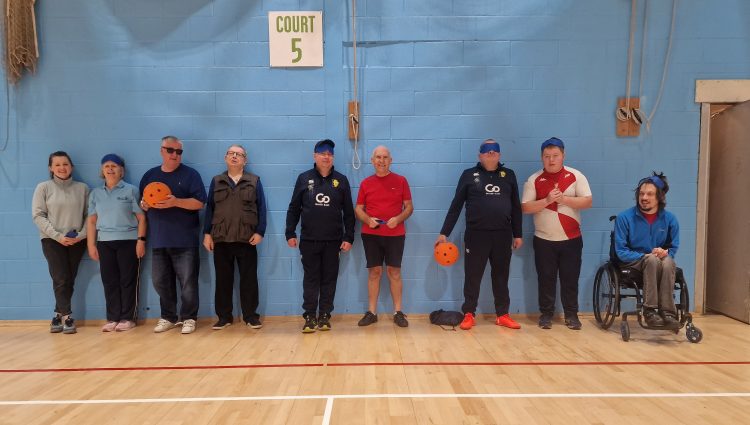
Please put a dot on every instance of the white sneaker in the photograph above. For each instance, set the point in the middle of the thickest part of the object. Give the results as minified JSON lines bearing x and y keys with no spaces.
{"x":164,"y":325}
{"x":188,"y":326}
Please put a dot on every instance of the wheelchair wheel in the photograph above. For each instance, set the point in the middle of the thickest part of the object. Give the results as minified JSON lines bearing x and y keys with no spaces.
{"x":606,"y":296}
{"x":625,"y":331}
{"x":693,"y":334}
{"x":683,"y":308}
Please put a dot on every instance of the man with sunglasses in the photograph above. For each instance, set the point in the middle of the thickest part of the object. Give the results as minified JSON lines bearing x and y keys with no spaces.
{"x":235,"y":223}
{"x":173,"y":228}
{"x":555,"y":195}
{"x":646,"y":239}
{"x":493,"y":227}
{"x":322,"y":198}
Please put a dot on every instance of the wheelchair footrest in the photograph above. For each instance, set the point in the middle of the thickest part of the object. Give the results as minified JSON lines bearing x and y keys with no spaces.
{"x":675,"y":327}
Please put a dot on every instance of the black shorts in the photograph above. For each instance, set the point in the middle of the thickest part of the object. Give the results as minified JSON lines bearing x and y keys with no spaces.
{"x":383,"y":248}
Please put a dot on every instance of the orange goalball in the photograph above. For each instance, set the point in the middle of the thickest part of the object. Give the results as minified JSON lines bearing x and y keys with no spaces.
{"x":446,"y":253}
{"x":155,"y":192}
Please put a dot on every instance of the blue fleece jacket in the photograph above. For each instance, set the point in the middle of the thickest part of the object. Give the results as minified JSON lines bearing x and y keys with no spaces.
{"x":634,"y":237}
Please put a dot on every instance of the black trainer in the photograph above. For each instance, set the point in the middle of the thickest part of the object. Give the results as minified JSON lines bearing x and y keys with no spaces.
{"x":310,"y":323}
{"x":368,"y":319}
{"x":56,"y":325}
{"x":545,"y":321}
{"x":69,"y":326}
{"x":221,"y":324}
{"x":399,"y":318}
{"x":253,"y":322}
{"x":652,"y":318}
{"x":670,"y":320}
{"x":324,"y":322}
{"x":572,"y":322}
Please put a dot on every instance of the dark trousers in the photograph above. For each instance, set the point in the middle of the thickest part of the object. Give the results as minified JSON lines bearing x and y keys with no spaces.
{"x":481,"y":246}
{"x":320,"y":262}
{"x":119,"y":269}
{"x":169,"y":265}
{"x":63,"y":267}
{"x":246,"y":256}
{"x":553,"y":257}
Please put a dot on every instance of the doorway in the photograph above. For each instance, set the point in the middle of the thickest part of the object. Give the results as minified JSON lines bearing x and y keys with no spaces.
{"x":723,"y":228}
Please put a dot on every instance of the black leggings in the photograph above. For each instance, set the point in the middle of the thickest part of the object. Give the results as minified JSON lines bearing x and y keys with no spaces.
{"x":63,"y":267}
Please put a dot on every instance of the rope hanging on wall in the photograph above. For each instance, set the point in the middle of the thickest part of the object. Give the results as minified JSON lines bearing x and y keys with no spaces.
{"x":21,"y":48}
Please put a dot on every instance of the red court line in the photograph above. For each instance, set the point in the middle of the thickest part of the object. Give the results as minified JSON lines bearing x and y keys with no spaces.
{"x":295,"y":365}
{"x":137,"y":368}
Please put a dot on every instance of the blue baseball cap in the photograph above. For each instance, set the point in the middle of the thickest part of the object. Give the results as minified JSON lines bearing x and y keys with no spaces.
{"x":114,"y":158}
{"x":553,"y":141}
{"x":326,"y":145}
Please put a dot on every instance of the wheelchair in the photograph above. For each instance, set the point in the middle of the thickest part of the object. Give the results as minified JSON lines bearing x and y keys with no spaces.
{"x":614,"y":283}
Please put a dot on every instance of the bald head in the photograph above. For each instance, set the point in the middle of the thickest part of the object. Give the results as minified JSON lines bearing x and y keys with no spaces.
{"x":381,"y":160}
{"x":381,"y":150}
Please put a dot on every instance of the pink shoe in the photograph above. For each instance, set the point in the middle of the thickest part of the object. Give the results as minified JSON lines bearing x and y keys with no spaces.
{"x":109,"y":327}
{"x":125,"y":325}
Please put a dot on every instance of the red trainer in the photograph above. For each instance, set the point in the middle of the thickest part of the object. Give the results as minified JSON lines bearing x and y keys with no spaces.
{"x":468,"y":322}
{"x":506,"y":321}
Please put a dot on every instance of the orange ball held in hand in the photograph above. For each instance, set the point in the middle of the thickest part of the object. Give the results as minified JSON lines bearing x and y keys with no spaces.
{"x":155,"y":192}
{"x":446,"y":253}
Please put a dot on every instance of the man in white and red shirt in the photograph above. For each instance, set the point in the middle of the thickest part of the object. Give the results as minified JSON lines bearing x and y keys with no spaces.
{"x":555,"y":195}
{"x":383,"y":204}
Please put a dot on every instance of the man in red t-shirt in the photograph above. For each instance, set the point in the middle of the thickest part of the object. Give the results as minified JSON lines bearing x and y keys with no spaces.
{"x":383,"y":204}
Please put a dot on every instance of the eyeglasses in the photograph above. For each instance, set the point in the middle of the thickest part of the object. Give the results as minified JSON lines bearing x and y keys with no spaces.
{"x":325,"y":153}
{"x":172,"y":150}
{"x":236,"y":154}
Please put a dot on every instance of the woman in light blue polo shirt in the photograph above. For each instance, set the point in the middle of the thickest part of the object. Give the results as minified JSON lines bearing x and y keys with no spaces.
{"x":117,"y":239}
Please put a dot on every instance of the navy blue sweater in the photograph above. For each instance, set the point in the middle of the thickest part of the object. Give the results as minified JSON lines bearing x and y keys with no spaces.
{"x":492,"y":201}
{"x":325,"y":205}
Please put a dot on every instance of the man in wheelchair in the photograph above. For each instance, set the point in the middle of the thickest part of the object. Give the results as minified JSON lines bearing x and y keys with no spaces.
{"x":646,"y":239}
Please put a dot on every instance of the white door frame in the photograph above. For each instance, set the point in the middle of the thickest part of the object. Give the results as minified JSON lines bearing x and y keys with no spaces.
{"x":706,"y":93}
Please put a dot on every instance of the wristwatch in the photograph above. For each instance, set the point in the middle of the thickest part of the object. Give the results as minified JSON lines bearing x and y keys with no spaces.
{"x":142,"y":238}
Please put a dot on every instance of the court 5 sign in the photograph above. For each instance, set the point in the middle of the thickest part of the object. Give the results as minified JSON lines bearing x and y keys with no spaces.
{"x":295,"y":38}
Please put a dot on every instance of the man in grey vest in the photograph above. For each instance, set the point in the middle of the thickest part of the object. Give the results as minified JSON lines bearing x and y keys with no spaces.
{"x":235,"y":224}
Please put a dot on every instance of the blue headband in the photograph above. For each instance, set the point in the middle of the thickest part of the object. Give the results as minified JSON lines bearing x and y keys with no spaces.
{"x":114,"y":158}
{"x":553,"y":141}
{"x":489,"y":147}
{"x":656,"y":181}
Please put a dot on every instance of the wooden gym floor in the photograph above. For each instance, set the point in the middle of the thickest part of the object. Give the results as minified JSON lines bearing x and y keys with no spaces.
{"x":375,"y":375}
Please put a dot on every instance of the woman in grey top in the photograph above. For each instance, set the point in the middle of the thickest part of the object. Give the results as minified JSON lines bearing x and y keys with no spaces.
{"x":58,"y":209}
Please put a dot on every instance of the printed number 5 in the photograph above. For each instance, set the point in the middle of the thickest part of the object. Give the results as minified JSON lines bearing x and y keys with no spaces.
{"x":296,"y":50}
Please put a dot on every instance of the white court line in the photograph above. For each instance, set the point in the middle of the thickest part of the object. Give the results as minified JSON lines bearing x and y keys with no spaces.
{"x":331,"y":398}
{"x":329,"y":409}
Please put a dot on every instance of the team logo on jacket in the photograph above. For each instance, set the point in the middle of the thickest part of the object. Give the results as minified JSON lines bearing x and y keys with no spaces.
{"x":502,"y":174}
{"x":322,"y":200}
{"x":491,"y":189}
{"x":335,"y":183}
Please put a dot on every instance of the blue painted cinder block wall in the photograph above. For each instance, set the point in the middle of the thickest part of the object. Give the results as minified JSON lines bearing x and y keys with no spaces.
{"x":435,"y":78}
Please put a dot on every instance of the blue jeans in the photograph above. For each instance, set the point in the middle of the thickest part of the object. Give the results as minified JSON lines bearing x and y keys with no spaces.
{"x":170,"y":265}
